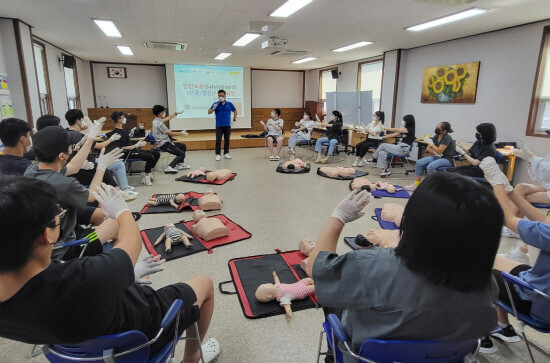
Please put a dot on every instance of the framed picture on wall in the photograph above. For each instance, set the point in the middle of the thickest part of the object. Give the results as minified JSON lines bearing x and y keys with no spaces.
{"x":456,"y":83}
{"x":116,"y":72}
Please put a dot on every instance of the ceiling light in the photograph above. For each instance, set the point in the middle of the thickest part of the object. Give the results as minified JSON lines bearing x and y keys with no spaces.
{"x":222,"y":56}
{"x":108,"y":27}
{"x":289,"y":8}
{"x":351,"y":46}
{"x":304,"y":60}
{"x":245,"y":39}
{"x":125,"y":50}
{"x":448,"y":19}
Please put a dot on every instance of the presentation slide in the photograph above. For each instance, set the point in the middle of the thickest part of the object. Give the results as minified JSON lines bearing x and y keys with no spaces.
{"x":194,"y":88}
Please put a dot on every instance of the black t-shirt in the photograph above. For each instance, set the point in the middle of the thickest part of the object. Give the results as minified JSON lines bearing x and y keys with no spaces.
{"x":74,"y":136}
{"x":13,"y":165}
{"x":409,"y":137}
{"x":334,"y":131}
{"x":480,"y":151}
{"x":123,"y":142}
{"x":79,"y":300}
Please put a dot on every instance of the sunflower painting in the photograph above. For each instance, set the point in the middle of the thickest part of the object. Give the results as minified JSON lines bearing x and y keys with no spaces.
{"x":455,"y":83}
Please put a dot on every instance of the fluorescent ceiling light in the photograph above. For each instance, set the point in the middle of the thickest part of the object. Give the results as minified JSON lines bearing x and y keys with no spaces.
{"x":448,"y":19}
{"x":108,"y":27}
{"x":289,"y":8}
{"x":304,"y":60}
{"x":245,"y":39}
{"x":351,"y":46}
{"x":125,"y":50}
{"x":222,"y":56}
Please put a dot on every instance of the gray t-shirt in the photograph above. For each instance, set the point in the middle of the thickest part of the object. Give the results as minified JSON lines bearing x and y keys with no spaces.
{"x":70,"y":195}
{"x":271,"y":123}
{"x":383,"y":299}
{"x":160,"y":132}
{"x":450,"y":150}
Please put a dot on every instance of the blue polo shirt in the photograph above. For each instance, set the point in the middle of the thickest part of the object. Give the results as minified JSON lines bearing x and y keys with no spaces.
{"x":223,"y":113}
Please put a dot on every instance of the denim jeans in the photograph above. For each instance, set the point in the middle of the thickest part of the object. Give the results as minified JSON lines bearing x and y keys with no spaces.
{"x":333,"y":143}
{"x":119,"y":170}
{"x":383,"y":150}
{"x":431,"y":163}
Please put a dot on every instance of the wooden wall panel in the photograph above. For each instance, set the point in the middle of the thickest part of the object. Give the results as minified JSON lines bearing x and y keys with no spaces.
{"x":144,"y":115}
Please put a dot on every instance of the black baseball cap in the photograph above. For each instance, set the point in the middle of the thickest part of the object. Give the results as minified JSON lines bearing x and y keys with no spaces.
{"x":50,"y":141}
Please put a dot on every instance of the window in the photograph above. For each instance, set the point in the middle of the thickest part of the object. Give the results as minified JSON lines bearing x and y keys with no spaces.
{"x":326,"y":84}
{"x":539,"y":113}
{"x":370,"y":79}
{"x":41,"y":65}
{"x":71,"y":86}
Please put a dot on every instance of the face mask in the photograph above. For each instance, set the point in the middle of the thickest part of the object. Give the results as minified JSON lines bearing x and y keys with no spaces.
{"x":163,"y":115}
{"x":403,"y":124}
{"x":478,"y":136}
{"x":141,"y":127}
{"x":28,"y":148}
{"x":333,"y":118}
{"x":437,"y":131}
{"x":124,"y":120}
{"x":305,"y":117}
{"x":221,"y":99}
{"x":273,"y":114}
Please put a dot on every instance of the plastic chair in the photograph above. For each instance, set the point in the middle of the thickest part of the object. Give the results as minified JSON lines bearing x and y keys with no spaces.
{"x":389,"y":351}
{"x":402,"y":160}
{"x":336,"y":151}
{"x":523,"y":319}
{"x":128,"y":347}
{"x":542,"y":206}
{"x":456,"y":158}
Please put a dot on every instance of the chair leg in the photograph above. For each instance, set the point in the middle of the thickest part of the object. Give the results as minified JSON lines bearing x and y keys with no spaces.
{"x":320,"y":344}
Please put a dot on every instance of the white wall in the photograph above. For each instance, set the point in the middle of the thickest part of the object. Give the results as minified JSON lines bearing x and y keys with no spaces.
{"x":277,"y":89}
{"x":507,"y":72}
{"x":388,"y":84}
{"x":57,"y":82}
{"x":312,"y":85}
{"x":144,"y":87}
{"x":85,"y":85}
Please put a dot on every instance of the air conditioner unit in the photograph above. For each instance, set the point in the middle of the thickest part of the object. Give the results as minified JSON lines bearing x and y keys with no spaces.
{"x":166,"y":46}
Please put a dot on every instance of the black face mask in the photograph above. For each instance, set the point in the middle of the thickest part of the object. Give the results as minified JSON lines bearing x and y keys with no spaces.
{"x":478,"y":136}
{"x":437,"y":131}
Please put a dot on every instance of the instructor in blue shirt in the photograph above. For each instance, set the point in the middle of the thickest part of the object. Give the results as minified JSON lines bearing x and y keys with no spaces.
{"x":223,"y":110}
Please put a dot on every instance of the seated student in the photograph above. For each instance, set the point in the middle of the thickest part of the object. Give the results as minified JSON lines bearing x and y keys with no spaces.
{"x":274,"y":129}
{"x":131,"y":150}
{"x":535,"y":232}
{"x":373,"y":131}
{"x":16,"y":137}
{"x":44,"y":301}
{"x":442,"y":146}
{"x":163,"y":137}
{"x":52,"y":149}
{"x":332,"y":136}
{"x":436,"y":285}
{"x":405,"y":133}
{"x":483,"y":147}
{"x":301,"y":133}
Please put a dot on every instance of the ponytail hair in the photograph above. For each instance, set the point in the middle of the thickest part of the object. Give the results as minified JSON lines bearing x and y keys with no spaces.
{"x":338,"y":115}
{"x":380,"y":115}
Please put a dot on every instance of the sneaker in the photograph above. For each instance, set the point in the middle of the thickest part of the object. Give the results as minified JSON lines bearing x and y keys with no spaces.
{"x":218,"y":157}
{"x":507,"y":334}
{"x":131,"y":188}
{"x":384,"y":173}
{"x":355,"y":163}
{"x":227,"y":156}
{"x":323,"y":161}
{"x":516,"y":254}
{"x":146,"y":180}
{"x":371,"y":161}
{"x":487,"y":346}
{"x":183,"y":166}
{"x":360,"y":163}
{"x":210,"y":350}
{"x":170,"y":170}
{"x":136,"y":215}
{"x":507,"y":232}
{"x":128,"y":195}
{"x":411,"y":187}
{"x":271,"y":158}
{"x":277,"y":158}
{"x":291,"y":151}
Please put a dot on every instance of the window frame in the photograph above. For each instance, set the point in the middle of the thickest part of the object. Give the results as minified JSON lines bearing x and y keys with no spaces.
{"x":537,"y":87}
{"x":76,"y":89}
{"x":375,"y":60}
{"x":48,"y":99}
{"x":321,"y":81}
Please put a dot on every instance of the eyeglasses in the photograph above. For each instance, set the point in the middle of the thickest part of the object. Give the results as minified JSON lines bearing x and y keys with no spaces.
{"x":60,"y":212}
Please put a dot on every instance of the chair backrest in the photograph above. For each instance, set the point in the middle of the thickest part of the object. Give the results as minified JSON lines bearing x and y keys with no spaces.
{"x":498,"y":157}
{"x":389,"y":351}
{"x":150,"y":138}
{"x":96,"y":347}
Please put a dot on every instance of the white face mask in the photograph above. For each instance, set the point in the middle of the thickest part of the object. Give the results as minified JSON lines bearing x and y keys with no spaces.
{"x":163,"y":115}
{"x":124,"y":120}
{"x":403,"y":124}
{"x":28,"y":148}
{"x":333,"y":118}
{"x":141,"y":127}
{"x":273,"y":114}
{"x":221,"y":99}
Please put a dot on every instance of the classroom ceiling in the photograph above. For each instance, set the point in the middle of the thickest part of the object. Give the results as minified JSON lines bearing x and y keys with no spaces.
{"x":211,"y":26}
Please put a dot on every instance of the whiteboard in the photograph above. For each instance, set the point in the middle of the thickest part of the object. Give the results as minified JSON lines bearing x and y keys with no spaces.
{"x":355,"y":106}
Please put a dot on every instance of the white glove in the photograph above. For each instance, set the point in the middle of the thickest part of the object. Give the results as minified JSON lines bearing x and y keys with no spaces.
{"x":147,"y":266}
{"x":460,"y":150}
{"x":140,"y":143}
{"x":493,"y":174}
{"x":94,"y":128}
{"x":115,"y":137}
{"x":184,"y":133}
{"x":132,"y":131}
{"x":215,"y":105}
{"x":524,"y":152}
{"x":429,"y":140}
{"x":460,"y":144}
{"x":111,"y":201}
{"x":88,"y":165}
{"x":262,"y":123}
{"x":106,"y":160}
{"x":351,"y":207}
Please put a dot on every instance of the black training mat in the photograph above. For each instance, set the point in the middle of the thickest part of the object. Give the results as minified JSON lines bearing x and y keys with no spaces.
{"x":357,"y":174}
{"x":191,"y":202}
{"x":248,"y":273}
{"x":305,"y":169}
{"x":202,"y":179}
{"x":150,"y":236}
